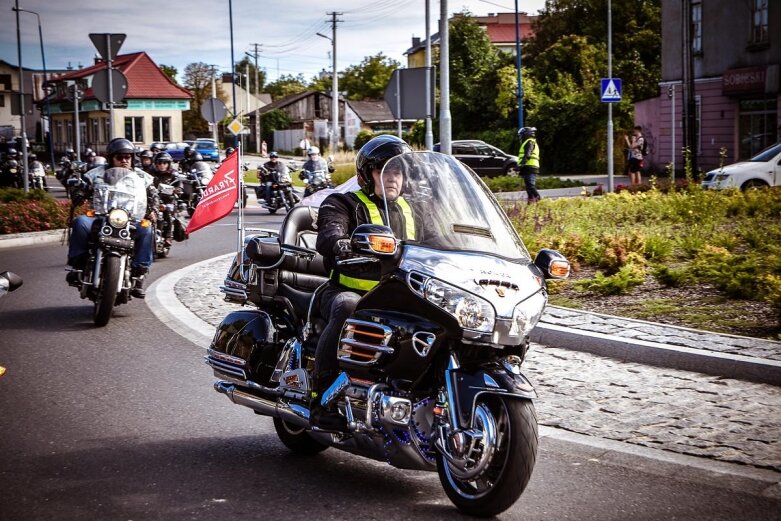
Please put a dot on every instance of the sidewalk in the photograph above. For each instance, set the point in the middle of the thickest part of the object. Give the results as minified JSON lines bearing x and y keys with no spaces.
{"x":583,"y":396}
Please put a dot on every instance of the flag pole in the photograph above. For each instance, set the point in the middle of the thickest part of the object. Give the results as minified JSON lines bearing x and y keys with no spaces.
{"x":240,"y":202}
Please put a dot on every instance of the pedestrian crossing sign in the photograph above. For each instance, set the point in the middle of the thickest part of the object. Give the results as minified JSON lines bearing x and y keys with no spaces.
{"x":611,"y":90}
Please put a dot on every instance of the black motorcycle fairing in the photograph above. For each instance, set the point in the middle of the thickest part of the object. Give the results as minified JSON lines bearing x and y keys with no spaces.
{"x":415,"y":342}
{"x":247,"y":340}
{"x":490,"y":378}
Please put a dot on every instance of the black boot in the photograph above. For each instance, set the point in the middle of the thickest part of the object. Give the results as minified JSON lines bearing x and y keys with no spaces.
{"x":138,"y":275}
{"x":326,"y":418}
{"x":73,"y":278}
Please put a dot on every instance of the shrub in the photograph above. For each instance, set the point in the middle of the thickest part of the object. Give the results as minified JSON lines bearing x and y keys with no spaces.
{"x":627,"y":277}
{"x":33,"y":215}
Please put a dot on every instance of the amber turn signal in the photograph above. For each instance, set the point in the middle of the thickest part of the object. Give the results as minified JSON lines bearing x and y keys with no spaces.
{"x":559,"y":269}
{"x":146,"y":223}
{"x":382,"y":243}
{"x":90,"y":213}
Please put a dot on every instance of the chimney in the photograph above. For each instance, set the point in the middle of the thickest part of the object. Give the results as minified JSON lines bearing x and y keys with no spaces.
{"x":415,"y":41}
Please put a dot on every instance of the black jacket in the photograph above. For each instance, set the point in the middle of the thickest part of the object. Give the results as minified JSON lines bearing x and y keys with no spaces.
{"x":339,"y":215}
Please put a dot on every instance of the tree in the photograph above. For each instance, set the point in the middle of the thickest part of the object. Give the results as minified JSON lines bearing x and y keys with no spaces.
{"x":198,"y":80}
{"x":248,"y":64}
{"x":286,"y":85}
{"x":368,"y":79}
{"x":170,"y":71}
{"x":273,"y":120}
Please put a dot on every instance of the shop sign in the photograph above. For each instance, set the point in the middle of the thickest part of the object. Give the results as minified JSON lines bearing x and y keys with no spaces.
{"x":748,"y":80}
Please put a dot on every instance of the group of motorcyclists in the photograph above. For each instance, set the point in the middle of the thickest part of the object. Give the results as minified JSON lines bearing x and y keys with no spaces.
{"x":11,"y":171}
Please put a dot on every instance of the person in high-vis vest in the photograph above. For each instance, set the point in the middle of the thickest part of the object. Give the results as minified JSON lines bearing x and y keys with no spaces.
{"x":339,"y":215}
{"x":529,"y":162}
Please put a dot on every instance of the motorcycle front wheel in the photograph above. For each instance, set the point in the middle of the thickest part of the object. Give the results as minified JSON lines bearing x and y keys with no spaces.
{"x":109,"y":282}
{"x":297,"y":439}
{"x":502,"y":464}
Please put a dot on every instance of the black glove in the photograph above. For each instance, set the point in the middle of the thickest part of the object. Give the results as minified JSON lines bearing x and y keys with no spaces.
{"x":343,"y":248}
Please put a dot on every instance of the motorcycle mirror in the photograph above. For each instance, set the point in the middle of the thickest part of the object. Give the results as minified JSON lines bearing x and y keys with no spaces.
{"x":9,"y":281}
{"x":552,"y":264}
{"x":374,"y":238}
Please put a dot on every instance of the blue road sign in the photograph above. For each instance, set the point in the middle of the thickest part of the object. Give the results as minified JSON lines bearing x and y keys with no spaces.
{"x":611,"y":90}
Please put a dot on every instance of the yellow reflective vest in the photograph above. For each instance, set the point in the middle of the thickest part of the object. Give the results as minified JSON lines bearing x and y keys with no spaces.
{"x":376,"y":218}
{"x":534,"y":157}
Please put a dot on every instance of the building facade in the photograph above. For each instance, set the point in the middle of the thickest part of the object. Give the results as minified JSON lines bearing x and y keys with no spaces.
{"x":151,"y":111}
{"x":735,"y":50}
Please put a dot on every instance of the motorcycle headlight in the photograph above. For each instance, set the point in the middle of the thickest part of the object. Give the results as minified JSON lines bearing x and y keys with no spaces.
{"x":471,"y":311}
{"x":527,"y":313}
{"x":118,"y":218}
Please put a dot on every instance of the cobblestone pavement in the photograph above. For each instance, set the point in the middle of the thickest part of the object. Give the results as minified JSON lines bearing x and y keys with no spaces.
{"x":674,"y":410}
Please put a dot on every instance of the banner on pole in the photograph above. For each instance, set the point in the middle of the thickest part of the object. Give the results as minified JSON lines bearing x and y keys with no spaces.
{"x":219,"y":197}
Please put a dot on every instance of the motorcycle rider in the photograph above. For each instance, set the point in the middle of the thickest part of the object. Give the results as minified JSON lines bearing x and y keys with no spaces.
{"x":315,"y":162}
{"x":37,"y":168}
{"x":529,"y":162}
{"x":164,"y":172}
{"x":120,"y":155}
{"x":7,"y":177}
{"x":147,"y":161}
{"x":339,"y":215}
{"x":274,"y":169}
{"x":188,"y":160}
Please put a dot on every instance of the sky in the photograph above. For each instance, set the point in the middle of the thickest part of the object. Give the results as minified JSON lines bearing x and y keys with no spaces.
{"x":180,"y":32}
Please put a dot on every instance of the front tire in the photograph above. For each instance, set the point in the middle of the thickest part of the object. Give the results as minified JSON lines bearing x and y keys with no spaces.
{"x":507,"y":466}
{"x":753,"y":183}
{"x":297,"y":439}
{"x":104,"y":303}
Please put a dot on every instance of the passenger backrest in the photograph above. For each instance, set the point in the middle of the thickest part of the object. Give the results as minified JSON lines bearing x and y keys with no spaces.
{"x":299,"y":229}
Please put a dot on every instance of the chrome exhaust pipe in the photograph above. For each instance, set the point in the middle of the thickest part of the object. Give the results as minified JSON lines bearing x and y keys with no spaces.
{"x":292,"y":413}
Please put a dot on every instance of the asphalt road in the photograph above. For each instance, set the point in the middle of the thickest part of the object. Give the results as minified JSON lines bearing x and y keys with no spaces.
{"x":121,"y":423}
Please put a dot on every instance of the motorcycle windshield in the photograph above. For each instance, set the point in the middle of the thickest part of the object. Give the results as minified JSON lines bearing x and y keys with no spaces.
{"x":120,"y":188}
{"x":452,"y":208}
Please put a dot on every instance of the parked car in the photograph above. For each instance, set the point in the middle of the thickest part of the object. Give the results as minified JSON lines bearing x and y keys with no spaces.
{"x":208,"y":149}
{"x":486,"y":160}
{"x":176,"y":150}
{"x":762,"y":170}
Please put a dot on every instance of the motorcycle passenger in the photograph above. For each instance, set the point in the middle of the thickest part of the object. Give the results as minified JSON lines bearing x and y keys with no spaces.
{"x":147,"y":161}
{"x":529,"y":162}
{"x":163,"y":172}
{"x":339,"y":215}
{"x":274,"y":169}
{"x":9,"y":169}
{"x":120,"y":155}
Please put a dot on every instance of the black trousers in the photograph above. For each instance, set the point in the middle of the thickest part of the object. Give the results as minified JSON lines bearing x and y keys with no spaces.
{"x":336,"y":306}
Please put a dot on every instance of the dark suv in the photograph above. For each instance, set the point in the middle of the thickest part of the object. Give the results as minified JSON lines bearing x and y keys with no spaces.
{"x":486,"y":160}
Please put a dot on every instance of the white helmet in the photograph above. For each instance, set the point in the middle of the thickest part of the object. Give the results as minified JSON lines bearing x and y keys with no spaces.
{"x":313,"y":150}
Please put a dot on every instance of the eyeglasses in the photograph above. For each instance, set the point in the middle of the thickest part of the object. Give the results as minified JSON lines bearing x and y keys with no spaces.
{"x":123,"y":157}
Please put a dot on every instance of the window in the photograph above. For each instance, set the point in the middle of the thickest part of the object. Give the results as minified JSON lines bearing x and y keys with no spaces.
{"x":134,"y":129}
{"x":93,"y":132}
{"x":696,"y":27}
{"x":161,"y":129}
{"x":756,"y":125}
{"x":759,"y":22}
{"x":2,"y":100}
{"x":5,"y":82}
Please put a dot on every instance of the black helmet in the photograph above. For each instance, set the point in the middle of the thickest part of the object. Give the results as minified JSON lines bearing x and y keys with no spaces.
{"x":196,"y":156}
{"x":70,"y":153}
{"x":12,"y":152}
{"x":119,"y":145}
{"x":155,"y":147}
{"x":273,"y":154}
{"x":163,"y":156}
{"x":229,"y":151}
{"x":527,"y":132}
{"x":146,"y":154}
{"x":13,"y":163}
{"x":188,"y":150}
{"x":32,"y":157}
{"x":91,"y":154}
{"x":374,"y":154}
{"x":89,"y":151}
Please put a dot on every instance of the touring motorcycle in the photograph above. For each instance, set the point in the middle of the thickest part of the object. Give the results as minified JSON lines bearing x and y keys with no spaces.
{"x":431,"y":358}
{"x":119,"y":205}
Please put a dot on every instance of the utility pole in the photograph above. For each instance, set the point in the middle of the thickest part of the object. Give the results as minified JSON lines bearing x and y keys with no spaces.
{"x":444,"y":81}
{"x":214,"y":95}
{"x":610,"y":180}
{"x":690,"y":104}
{"x":22,"y":119}
{"x":429,"y":131}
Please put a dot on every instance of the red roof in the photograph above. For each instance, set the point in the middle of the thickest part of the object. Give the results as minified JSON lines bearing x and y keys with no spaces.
{"x":505,"y":33}
{"x":144,"y":77}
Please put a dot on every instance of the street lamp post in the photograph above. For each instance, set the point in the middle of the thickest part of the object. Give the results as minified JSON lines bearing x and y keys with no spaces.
{"x":518,"y":65}
{"x":49,"y":138}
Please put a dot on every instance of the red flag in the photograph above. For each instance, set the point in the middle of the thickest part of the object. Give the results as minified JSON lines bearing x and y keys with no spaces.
{"x":219,"y":197}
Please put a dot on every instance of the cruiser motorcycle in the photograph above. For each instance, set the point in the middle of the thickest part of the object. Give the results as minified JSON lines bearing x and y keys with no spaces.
{"x":315,"y":180}
{"x":119,"y":206}
{"x":431,"y":358}
{"x":282,"y":194}
{"x":169,"y":224}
